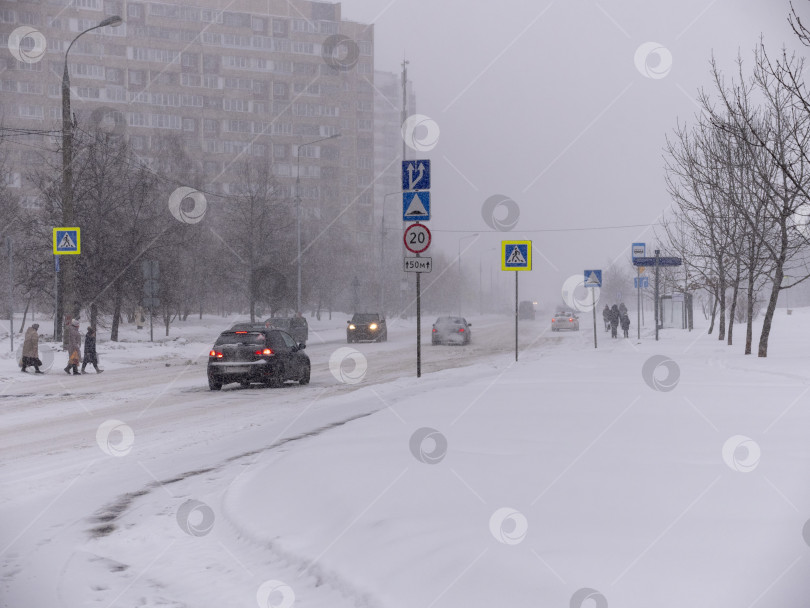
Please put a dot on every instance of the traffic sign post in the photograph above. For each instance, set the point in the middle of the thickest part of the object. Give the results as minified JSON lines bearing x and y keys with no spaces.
{"x":418,"y":264}
{"x":416,"y":175}
{"x":593,"y":279}
{"x":517,"y":256}
{"x":417,"y":238}
{"x":639,"y":251}
{"x":67,"y":241}
{"x":657,"y":261}
{"x":415,"y":206}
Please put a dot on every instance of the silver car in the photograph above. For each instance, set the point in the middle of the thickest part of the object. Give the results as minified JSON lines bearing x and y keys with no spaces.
{"x":564,"y":319}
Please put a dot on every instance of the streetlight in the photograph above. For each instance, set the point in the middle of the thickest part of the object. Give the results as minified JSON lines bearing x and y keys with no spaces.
{"x":298,"y":209}
{"x":469,"y":236}
{"x":66,"y":275}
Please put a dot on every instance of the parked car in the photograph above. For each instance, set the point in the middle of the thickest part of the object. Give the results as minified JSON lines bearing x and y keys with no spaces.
{"x":266,"y":355}
{"x":564,"y":319}
{"x":297,"y":327}
{"x":526,"y":310}
{"x":369,"y":326}
{"x":451,"y":330}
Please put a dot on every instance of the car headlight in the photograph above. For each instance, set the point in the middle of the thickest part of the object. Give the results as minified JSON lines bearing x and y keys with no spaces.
{"x":373,"y":326}
{"x":352,"y":327}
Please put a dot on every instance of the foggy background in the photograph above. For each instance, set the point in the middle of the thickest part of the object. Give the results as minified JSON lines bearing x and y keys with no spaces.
{"x":542,"y":102}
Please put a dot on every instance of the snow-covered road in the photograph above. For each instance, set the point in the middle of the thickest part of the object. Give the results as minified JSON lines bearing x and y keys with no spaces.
{"x":199,"y":498}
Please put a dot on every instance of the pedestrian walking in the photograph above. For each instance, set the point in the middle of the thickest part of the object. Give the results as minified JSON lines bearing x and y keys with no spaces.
{"x":614,"y":321}
{"x":30,"y":353}
{"x":625,"y":321}
{"x":74,"y":345}
{"x":622,"y":309}
{"x":606,"y":317}
{"x":90,"y":355}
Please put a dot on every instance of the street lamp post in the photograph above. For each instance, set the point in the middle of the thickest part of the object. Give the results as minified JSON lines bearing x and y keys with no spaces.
{"x":66,"y":294}
{"x":469,"y":236}
{"x":298,"y":210}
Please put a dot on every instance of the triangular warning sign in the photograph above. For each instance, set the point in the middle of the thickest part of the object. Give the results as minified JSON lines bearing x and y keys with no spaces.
{"x":66,"y":242}
{"x":415,"y":207}
{"x":516,"y":257}
{"x":592,"y":278}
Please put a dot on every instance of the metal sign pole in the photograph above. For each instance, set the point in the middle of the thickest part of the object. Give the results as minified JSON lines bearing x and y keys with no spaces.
{"x":516,"y":315}
{"x":10,"y":291}
{"x":593,"y":302}
{"x":638,"y":302}
{"x":657,"y":252}
{"x":418,"y":324}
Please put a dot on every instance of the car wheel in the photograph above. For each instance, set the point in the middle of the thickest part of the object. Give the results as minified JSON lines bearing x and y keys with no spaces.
{"x":214,"y":384}
{"x":304,"y":375}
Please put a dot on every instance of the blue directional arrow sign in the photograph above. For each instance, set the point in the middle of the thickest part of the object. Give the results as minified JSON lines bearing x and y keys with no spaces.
{"x":642,"y":282}
{"x":593,"y":278}
{"x":416,"y":175}
{"x":415,"y":206}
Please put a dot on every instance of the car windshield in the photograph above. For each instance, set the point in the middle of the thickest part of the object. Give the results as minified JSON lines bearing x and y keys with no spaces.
{"x":240,"y":337}
{"x":365,"y":318}
{"x":279,"y":322}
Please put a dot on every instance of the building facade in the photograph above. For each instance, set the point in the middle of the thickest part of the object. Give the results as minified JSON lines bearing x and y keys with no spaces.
{"x":254,"y":81}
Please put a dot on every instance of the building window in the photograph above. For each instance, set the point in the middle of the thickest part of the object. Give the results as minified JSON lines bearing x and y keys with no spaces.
{"x":279,"y":27}
{"x":189,"y":124}
{"x":27,"y":111}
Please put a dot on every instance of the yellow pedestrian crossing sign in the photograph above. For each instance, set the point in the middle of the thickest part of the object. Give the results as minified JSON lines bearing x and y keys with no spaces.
{"x":516,"y":255}
{"x":66,"y":241}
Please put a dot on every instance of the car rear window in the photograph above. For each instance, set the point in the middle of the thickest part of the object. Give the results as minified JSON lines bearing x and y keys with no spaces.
{"x":365,"y":318}
{"x":281,"y":323}
{"x":238,"y":337}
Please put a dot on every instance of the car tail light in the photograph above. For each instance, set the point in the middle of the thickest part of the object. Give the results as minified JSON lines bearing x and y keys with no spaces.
{"x":461,"y":330}
{"x":434,"y":330}
{"x":571,"y":319}
{"x":216,"y":354}
{"x":553,"y":319}
{"x":240,"y":332}
{"x":265,"y":351}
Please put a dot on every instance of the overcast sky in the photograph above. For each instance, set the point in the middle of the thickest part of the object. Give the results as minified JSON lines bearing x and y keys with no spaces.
{"x":543,"y":102}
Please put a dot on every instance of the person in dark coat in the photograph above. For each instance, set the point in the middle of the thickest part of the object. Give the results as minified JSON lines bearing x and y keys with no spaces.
{"x":606,"y":317}
{"x":74,"y":345}
{"x":622,"y":309}
{"x":90,"y":355}
{"x":625,"y":321}
{"x":30,"y":353}
{"x":614,"y":321}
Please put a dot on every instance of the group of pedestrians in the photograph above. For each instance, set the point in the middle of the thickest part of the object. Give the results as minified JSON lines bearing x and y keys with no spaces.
{"x":614,"y":317}
{"x":30,"y":354}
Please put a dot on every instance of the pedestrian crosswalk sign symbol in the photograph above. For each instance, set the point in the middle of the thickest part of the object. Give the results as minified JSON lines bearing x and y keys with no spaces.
{"x":593,"y":278}
{"x":516,"y":255}
{"x":66,"y":241}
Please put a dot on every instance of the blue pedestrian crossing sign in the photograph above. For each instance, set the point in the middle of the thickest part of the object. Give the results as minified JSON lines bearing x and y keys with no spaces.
{"x":641,"y":282}
{"x":415,"y":206}
{"x":516,"y":255}
{"x":416,"y":175}
{"x":66,"y":241}
{"x":593,"y":278}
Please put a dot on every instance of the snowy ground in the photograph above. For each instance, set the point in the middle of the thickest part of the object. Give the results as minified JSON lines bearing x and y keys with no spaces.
{"x":575,"y":473}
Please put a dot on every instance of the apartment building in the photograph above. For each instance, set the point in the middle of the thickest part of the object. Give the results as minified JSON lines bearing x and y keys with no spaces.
{"x":257,"y":79}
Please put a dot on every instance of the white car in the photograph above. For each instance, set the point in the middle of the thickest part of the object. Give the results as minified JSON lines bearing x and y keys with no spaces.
{"x":564,"y":319}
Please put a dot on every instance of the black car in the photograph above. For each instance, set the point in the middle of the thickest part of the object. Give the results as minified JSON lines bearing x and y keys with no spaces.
{"x":297,"y":327}
{"x":265,"y":355}
{"x":369,"y":326}
{"x":526,"y":310}
{"x":451,"y":330}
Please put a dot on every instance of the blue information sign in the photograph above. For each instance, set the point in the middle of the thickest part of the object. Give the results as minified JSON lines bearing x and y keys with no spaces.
{"x":416,"y":175}
{"x":415,"y":206}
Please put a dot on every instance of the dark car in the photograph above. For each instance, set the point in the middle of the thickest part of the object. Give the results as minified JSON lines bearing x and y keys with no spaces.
{"x":265,"y":355}
{"x":526,"y":310}
{"x":297,"y":327}
{"x":451,"y":330}
{"x":368,"y":326}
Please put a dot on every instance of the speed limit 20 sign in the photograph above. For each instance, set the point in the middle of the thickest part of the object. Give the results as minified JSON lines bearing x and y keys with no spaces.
{"x":417,"y":238}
